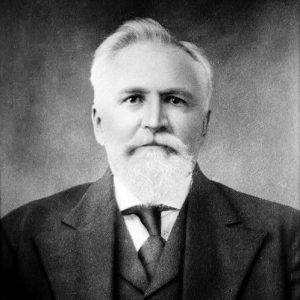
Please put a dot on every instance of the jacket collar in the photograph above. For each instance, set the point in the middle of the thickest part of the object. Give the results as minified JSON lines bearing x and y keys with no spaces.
{"x":219,"y":248}
{"x":78,"y":259}
{"x":96,"y":205}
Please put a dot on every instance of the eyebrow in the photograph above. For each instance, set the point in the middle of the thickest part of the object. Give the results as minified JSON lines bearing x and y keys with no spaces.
{"x":134,"y":90}
{"x":177,"y":91}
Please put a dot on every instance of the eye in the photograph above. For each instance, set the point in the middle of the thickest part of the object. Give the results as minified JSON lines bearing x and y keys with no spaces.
{"x":175,"y":101}
{"x":134,"y":99}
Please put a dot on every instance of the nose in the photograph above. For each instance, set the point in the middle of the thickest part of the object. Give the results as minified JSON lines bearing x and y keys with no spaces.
{"x":154,"y":118}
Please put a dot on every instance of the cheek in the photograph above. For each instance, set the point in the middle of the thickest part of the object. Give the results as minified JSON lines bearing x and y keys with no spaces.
{"x":188,"y":128}
{"x":118,"y":126}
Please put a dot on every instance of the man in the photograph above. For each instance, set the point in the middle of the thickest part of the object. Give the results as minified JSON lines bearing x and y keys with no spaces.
{"x":154,"y":227}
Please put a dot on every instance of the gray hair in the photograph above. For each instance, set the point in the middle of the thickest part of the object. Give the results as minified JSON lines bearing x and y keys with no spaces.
{"x":143,"y":30}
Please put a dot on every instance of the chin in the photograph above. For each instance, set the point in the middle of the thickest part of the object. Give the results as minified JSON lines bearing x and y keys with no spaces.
{"x":153,"y":173}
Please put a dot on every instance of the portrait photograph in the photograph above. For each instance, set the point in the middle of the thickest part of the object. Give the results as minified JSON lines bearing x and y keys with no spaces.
{"x":149,"y":149}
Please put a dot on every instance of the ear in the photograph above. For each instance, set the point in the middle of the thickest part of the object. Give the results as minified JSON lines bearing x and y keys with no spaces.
{"x":98,"y":131}
{"x":205,"y":123}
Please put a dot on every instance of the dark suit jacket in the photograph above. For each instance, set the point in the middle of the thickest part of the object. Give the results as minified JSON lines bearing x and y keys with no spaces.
{"x":237,"y":246}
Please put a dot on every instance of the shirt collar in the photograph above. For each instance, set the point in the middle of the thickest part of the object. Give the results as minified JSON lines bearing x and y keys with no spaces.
{"x":126,"y":199}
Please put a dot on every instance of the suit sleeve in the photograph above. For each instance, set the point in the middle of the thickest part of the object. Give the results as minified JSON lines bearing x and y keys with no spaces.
{"x":294,"y":262}
{"x":9,"y":281}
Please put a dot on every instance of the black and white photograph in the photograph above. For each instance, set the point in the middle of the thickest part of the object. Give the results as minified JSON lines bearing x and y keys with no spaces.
{"x":149,"y":150}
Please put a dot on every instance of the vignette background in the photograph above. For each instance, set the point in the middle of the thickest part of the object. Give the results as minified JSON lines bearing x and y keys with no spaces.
{"x":46,"y":47}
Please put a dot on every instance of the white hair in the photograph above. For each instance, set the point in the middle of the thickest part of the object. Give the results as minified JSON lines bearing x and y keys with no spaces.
{"x":144,"y":30}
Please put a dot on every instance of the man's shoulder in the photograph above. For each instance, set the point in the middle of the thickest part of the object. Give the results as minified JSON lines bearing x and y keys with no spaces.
{"x":259,"y":212}
{"x":45,"y":213}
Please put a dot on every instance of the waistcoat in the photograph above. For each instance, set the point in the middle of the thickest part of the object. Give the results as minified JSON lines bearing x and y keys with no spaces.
{"x":130,"y":280}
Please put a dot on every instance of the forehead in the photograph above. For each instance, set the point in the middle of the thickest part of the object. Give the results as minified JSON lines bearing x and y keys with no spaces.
{"x":154,"y":66}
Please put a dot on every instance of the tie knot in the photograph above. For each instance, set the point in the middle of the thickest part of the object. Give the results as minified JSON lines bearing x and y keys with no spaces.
{"x":151,"y":250}
{"x":150,"y":216}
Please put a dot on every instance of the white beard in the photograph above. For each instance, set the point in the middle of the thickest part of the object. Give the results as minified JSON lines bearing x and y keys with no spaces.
{"x":153,"y":175}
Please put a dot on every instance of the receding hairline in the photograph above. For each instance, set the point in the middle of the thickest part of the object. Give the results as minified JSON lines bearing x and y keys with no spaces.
{"x":146,"y":30}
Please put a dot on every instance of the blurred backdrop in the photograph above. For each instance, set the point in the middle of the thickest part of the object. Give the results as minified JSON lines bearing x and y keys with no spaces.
{"x":46,"y":48}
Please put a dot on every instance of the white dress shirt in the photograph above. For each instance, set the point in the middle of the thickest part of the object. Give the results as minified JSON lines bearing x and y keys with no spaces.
{"x":137,"y":230}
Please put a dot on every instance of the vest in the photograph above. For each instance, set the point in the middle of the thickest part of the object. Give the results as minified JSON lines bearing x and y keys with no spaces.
{"x":130,"y":280}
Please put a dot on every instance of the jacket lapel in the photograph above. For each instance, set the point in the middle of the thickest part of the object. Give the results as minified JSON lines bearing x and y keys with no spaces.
{"x":219,"y":249}
{"x":79,"y":258}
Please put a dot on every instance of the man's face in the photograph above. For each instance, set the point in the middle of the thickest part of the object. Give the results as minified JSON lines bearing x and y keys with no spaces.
{"x":150,"y":90}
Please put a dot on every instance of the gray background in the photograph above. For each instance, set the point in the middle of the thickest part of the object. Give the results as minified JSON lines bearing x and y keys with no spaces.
{"x":47,"y":142}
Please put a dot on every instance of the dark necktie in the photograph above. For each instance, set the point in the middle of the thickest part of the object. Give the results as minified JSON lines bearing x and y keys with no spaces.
{"x":151,"y":250}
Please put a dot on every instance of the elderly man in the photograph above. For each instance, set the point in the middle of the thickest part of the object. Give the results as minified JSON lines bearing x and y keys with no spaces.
{"x":154,"y":227}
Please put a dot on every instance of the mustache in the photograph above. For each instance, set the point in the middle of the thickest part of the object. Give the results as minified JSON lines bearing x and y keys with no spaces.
{"x":169,"y":141}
